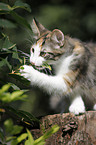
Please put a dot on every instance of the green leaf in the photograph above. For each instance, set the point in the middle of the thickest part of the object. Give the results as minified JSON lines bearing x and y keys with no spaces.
{"x":14,"y":86}
{"x":20,"y":78}
{"x":8,"y":124}
{"x":5,"y":7}
{"x":22,"y":137}
{"x":12,"y":129}
{"x":52,"y":130}
{"x":6,"y":24}
{"x":46,"y":65}
{"x":5,"y":88}
{"x":27,"y":142}
{"x":20,"y":4}
{"x":16,"y":94}
{"x":5,"y":62}
{"x":21,"y":67}
{"x":16,"y":129}
{"x":9,"y":138}
{"x":5,"y":98}
{"x":7,"y":44}
{"x":27,"y":116}
{"x":14,"y":142}
{"x":2,"y":63}
{"x":30,"y":138}
{"x":15,"y":55}
{"x":20,"y":20}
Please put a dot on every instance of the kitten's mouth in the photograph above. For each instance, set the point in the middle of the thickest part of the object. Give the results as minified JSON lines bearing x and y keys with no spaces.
{"x":47,"y":69}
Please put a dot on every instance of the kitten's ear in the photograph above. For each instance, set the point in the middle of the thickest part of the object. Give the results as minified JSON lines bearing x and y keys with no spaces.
{"x":38,"y":29}
{"x":57,"y":36}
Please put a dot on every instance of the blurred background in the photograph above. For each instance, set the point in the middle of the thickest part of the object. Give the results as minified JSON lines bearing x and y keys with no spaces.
{"x":76,"y":18}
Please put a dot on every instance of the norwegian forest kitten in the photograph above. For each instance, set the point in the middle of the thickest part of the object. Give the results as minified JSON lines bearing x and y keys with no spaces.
{"x":74,"y":66}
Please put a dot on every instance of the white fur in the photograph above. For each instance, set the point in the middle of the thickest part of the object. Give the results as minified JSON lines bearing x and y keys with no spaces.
{"x":63,"y":65}
{"x":35,"y":57}
{"x":94,"y":107}
{"x":77,"y":106}
{"x":52,"y":84}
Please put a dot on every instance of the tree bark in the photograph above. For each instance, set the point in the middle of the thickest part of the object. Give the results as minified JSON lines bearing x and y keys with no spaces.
{"x":74,"y":130}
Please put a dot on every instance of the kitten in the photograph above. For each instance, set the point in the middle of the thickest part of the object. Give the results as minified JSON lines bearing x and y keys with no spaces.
{"x":74,"y":65}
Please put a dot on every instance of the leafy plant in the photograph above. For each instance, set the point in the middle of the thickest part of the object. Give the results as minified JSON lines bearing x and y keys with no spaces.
{"x":13,"y":133}
{"x":14,"y":137}
{"x":7,"y":9}
{"x":41,"y":140}
{"x":7,"y":97}
{"x":8,"y":50}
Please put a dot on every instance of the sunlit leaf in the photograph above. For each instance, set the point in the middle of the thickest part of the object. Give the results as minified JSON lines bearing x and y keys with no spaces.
{"x":5,"y":88}
{"x":27,"y":142}
{"x":9,"y":138}
{"x":21,"y":67}
{"x":16,"y":94}
{"x":5,"y":97}
{"x":30,"y":138}
{"x":52,"y":130}
{"x":46,"y":65}
{"x":22,"y":137}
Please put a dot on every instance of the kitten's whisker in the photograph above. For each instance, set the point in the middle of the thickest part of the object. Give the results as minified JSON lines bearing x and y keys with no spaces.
{"x":26,"y":54}
{"x":26,"y":57}
{"x":29,"y":41}
{"x":45,"y":71}
{"x":29,"y":33}
{"x":50,"y":71}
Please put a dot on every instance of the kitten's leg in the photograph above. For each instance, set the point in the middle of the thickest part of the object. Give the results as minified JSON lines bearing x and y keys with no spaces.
{"x":51,"y":84}
{"x":54,"y":100}
{"x":94,"y":107}
{"x":77,"y":106}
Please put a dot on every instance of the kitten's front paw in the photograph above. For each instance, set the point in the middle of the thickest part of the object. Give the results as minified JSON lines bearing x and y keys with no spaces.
{"x":94,"y":107}
{"x":77,"y":106}
{"x":26,"y":71}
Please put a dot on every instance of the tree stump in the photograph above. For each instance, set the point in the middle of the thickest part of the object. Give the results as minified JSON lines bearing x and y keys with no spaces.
{"x":74,"y":130}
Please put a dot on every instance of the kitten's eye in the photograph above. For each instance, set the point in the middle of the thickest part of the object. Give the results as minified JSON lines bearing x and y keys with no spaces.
{"x":42,"y":53}
{"x":32,"y":50}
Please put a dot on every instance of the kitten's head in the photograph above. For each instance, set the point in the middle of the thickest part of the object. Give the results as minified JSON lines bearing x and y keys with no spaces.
{"x":48,"y":46}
